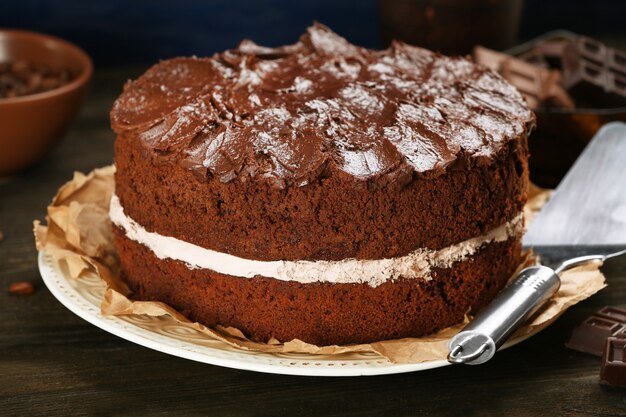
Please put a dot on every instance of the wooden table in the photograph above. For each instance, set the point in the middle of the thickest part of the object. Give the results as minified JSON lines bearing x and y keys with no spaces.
{"x":54,"y":363}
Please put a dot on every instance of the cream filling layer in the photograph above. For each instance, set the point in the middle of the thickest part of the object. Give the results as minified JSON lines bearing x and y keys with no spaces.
{"x":374,"y":272}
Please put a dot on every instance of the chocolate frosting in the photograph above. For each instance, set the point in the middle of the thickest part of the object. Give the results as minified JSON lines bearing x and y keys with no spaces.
{"x":291,"y":114}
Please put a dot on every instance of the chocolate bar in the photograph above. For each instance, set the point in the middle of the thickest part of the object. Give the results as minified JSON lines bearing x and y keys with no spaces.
{"x":546,"y":54}
{"x":540,"y":87}
{"x":591,"y":334}
{"x":555,"y":95}
{"x":594,"y":74}
{"x":536,"y":59}
{"x":489,"y":58}
{"x":613,"y":368}
{"x":527,"y":78}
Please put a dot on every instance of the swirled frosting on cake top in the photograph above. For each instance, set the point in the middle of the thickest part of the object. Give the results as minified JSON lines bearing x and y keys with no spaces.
{"x":321,"y":106}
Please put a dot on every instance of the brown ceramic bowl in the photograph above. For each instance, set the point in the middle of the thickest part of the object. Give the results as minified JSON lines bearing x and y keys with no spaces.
{"x":31,"y":125}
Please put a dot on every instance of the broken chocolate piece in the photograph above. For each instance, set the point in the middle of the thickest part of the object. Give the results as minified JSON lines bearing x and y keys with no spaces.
{"x":613,"y":369}
{"x":489,"y":58}
{"x":536,"y":59}
{"x":594,"y":74}
{"x":540,"y":87}
{"x":554,"y":95}
{"x":615,"y":313}
{"x":547,"y":54}
{"x":590,"y":335}
{"x":527,"y":78}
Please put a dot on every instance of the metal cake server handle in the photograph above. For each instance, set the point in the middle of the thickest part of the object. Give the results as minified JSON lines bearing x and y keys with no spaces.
{"x":492,"y":326}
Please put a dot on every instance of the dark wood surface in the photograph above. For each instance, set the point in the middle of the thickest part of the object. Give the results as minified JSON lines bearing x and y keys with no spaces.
{"x":54,"y":363}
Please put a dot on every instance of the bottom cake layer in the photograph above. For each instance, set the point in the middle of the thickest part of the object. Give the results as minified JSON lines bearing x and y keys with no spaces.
{"x":321,"y":313}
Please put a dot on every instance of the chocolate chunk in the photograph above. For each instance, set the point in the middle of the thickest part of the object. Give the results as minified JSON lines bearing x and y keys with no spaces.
{"x":613,"y":369}
{"x":594,"y":74}
{"x":590,"y":335}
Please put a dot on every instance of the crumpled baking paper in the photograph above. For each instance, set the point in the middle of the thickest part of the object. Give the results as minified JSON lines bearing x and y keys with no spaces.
{"x":79,"y":234}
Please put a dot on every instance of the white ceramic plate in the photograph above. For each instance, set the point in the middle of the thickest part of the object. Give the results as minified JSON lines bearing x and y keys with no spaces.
{"x":83,"y":298}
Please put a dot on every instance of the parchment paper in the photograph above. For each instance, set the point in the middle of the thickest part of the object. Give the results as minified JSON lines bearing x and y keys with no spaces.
{"x":78,"y":233}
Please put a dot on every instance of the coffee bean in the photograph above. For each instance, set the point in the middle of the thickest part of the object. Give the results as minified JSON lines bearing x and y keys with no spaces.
{"x":21,"y":78}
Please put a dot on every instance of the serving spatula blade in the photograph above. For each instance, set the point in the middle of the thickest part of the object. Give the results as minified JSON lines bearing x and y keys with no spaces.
{"x":589,"y":205}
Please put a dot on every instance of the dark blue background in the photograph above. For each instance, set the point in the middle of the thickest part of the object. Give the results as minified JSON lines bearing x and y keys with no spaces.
{"x":142,"y":31}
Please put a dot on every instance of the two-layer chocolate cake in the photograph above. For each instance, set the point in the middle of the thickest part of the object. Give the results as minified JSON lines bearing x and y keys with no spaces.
{"x":320,"y":191}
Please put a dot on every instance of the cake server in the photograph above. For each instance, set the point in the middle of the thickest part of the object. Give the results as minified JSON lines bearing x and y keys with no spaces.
{"x":588,"y":208}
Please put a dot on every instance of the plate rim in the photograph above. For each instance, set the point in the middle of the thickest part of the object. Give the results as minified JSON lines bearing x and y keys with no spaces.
{"x":50,"y":269}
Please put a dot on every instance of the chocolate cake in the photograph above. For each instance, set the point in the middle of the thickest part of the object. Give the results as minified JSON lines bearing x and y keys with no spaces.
{"x":320,"y":191}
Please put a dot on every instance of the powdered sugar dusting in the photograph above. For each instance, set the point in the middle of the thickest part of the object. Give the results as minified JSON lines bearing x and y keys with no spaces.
{"x":328,"y":42}
{"x":282,"y":113}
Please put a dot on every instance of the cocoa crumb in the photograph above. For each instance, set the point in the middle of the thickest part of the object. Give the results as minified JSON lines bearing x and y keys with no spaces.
{"x":22,"y":288}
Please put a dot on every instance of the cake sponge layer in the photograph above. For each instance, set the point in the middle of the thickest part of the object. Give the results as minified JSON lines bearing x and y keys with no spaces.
{"x":321,"y":313}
